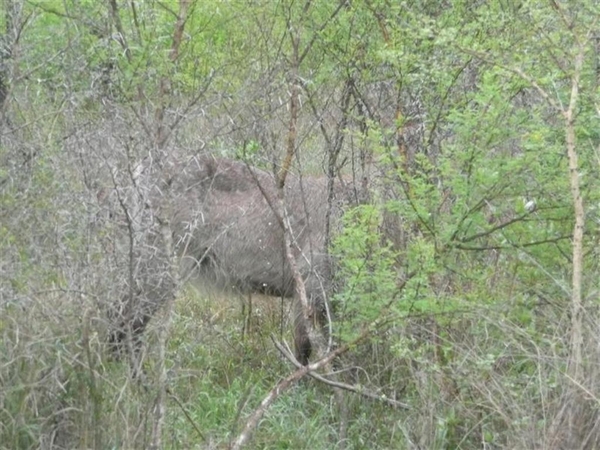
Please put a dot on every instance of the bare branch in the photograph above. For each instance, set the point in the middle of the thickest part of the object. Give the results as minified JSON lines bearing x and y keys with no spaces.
{"x":186,"y":414}
{"x":285,"y":384}
{"x":515,"y":245}
{"x":360,"y":390}
{"x":498,"y":227}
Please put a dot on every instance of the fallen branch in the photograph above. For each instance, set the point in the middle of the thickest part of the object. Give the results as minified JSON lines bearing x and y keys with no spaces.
{"x":347,"y":387}
{"x":252,"y":422}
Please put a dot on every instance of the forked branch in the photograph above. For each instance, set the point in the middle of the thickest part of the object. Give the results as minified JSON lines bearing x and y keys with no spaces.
{"x":252,"y":422}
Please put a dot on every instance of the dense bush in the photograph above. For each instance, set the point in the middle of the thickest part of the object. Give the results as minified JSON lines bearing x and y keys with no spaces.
{"x":469,"y":270}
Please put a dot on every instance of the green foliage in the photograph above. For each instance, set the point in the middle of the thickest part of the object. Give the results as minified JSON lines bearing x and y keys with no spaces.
{"x":473,"y":285}
{"x":366,"y":266}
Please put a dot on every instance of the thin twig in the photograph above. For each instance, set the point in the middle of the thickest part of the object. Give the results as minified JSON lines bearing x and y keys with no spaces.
{"x":186,"y":414}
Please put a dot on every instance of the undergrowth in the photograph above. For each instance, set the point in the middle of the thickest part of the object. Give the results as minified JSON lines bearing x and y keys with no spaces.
{"x":497,"y":387}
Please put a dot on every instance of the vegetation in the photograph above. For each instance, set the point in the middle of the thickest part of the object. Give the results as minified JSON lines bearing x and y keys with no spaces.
{"x":466,"y":309}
